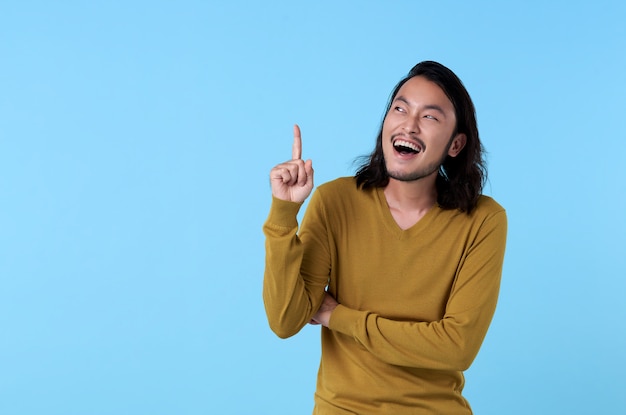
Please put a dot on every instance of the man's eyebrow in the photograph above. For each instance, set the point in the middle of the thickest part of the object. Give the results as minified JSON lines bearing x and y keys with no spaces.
{"x":403,"y":99}
{"x":435,"y":108}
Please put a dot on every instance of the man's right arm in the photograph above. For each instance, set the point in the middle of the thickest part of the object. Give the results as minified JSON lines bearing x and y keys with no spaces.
{"x":290,"y":298}
{"x":290,"y":295}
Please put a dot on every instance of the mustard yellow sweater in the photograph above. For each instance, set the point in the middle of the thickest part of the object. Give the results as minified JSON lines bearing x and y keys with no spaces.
{"x":415,"y":304}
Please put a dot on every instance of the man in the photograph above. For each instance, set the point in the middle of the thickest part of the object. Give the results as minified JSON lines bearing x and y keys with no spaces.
{"x":400,"y":264}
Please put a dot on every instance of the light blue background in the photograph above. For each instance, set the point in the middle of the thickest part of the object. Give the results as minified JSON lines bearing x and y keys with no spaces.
{"x":136,"y":139}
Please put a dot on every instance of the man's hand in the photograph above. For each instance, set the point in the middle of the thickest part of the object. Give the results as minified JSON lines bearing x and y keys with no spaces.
{"x":293,"y":180}
{"x":323,"y":314}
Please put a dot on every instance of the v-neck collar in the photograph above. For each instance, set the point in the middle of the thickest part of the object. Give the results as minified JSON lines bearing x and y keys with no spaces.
{"x":392,"y":225}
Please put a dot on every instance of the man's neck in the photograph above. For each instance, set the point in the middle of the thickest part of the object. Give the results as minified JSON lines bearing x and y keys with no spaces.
{"x":410,"y":201}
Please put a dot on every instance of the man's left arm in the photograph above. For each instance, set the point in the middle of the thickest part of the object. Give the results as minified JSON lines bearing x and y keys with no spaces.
{"x":451,"y":343}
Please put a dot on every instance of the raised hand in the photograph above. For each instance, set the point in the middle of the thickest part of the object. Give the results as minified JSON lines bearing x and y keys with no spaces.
{"x":293,"y":180}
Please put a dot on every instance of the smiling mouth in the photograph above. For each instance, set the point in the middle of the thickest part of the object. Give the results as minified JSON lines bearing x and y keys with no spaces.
{"x":406,"y":147}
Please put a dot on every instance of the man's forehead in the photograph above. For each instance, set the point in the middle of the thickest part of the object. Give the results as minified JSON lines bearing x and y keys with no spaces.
{"x":422,"y":91}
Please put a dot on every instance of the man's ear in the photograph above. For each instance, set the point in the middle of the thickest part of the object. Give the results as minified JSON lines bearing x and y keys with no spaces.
{"x":458,"y":143}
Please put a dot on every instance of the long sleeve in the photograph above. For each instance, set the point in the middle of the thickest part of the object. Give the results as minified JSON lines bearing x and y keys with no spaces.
{"x":415,"y":304}
{"x":291,"y":297}
{"x":452,"y":342}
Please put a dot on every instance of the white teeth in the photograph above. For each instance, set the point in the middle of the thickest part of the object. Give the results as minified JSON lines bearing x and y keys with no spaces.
{"x":407,"y":144}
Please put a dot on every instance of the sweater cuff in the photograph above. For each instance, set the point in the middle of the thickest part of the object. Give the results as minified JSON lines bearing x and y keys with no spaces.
{"x":345,"y":320}
{"x":283,"y":213}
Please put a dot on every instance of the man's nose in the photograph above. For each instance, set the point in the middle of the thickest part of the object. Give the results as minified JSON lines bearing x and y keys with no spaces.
{"x":411,"y":125}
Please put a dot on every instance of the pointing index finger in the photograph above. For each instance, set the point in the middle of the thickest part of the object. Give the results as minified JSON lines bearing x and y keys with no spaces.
{"x":296,"y":150}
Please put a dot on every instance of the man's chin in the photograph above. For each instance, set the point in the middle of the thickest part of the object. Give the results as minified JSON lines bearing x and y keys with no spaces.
{"x":409,"y":176}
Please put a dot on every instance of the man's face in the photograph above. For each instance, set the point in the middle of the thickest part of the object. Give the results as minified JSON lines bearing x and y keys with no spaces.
{"x":417,"y":131}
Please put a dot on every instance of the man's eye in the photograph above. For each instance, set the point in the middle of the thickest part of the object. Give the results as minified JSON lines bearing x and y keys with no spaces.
{"x":399,"y":109}
{"x":430,"y":117}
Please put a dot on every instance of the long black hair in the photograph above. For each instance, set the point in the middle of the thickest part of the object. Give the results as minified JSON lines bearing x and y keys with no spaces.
{"x":460,"y":179}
